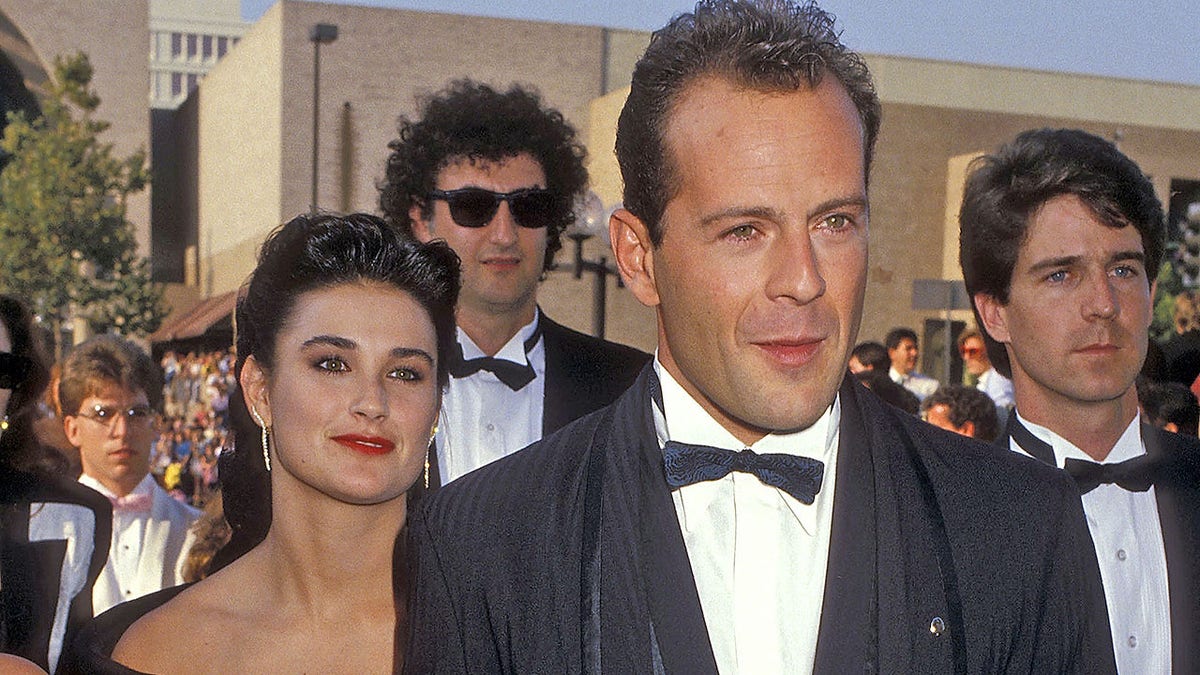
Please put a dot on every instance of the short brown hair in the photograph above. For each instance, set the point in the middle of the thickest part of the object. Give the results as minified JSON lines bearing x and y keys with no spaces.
{"x":107,"y":359}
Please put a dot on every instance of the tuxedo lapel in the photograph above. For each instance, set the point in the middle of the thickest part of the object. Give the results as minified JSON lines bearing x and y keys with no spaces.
{"x":677,"y":619}
{"x":561,"y":403}
{"x":846,"y":640}
{"x":1177,"y":493}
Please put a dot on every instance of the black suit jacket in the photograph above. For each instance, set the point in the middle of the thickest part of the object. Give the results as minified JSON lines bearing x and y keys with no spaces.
{"x":1177,"y":493}
{"x":567,"y":557}
{"x":583,"y":374}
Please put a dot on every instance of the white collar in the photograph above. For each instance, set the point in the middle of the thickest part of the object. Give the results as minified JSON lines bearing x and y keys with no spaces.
{"x":144,"y":486}
{"x":513,"y":350}
{"x":1128,"y":446}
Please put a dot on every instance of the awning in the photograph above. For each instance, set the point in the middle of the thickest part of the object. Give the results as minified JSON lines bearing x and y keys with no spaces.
{"x":195,"y":322}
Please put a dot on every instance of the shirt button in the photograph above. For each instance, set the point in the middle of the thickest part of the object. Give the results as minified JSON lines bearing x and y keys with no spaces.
{"x":1121,"y":555}
{"x":491,"y":427}
{"x":1132,"y":641}
{"x":131,"y":593}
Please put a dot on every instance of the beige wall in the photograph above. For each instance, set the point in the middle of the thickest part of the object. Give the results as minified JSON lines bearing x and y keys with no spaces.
{"x":108,"y":31}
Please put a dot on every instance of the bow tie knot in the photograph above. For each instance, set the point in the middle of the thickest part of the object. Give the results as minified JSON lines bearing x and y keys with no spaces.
{"x":514,"y":375}
{"x":1135,"y":475}
{"x":132,"y":503}
{"x":687,"y":464}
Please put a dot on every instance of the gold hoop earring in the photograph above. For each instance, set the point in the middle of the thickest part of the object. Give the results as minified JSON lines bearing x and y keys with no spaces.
{"x":265,"y":445}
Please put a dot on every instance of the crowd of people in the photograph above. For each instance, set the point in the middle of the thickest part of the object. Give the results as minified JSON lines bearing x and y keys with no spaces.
{"x":400,"y":435}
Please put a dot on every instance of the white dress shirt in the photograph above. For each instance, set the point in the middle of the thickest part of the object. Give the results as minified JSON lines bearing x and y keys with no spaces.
{"x":998,"y":387}
{"x":1129,"y":546}
{"x":920,"y":385}
{"x":758,"y":555}
{"x":119,"y":577}
{"x":482,"y":419}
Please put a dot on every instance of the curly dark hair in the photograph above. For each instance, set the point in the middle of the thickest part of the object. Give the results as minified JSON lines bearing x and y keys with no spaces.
{"x":967,"y":404}
{"x":1005,"y":189}
{"x":470,"y":120}
{"x":769,"y":45}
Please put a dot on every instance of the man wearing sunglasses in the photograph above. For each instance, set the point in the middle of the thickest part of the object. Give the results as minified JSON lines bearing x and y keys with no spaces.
{"x":495,"y":175}
{"x":987,"y":379}
{"x":109,"y":392}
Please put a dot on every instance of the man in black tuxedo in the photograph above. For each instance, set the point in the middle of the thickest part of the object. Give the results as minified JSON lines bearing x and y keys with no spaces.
{"x":495,"y":174}
{"x":1062,"y":236}
{"x":848,"y":537}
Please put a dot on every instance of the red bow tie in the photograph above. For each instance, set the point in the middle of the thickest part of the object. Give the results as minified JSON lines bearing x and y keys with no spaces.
{"x":132,"y":503}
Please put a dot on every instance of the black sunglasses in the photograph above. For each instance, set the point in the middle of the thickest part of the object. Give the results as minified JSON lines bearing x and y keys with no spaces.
{"x":13,"y":370}
{"x":475,"y":207}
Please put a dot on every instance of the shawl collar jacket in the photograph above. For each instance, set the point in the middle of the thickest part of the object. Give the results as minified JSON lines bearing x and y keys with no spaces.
{"x":567,"y":557}
{"x":1177,"y":494}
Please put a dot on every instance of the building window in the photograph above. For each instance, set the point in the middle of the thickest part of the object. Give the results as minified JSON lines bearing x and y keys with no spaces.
{"x":206,"y":47}
{"x":176,"y":46}
{"x":176,"y":85}
{"x":192,"y":52}
{"x":191,"y":82}
{"x":222,"y":45}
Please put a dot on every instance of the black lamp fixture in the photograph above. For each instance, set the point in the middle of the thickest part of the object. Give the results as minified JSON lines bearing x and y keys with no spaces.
{"x":591,"y":220}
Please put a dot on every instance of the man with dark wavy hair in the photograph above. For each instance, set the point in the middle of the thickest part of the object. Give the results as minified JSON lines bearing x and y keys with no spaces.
{"x":496,"y":174}
{"x":745,"y":506}
{"x":1061,"y":238}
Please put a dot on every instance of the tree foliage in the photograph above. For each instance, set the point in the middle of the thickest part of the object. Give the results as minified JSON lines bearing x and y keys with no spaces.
{"x":66,"y":245}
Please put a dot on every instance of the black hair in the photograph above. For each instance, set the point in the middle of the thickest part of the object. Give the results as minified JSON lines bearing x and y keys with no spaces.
{"x":891,"y":393}
{"x":1004,"y":190}
{"x":873,"y":355}
{"x":896,"y":335}
{"x":1172,"y":402}
{"x":967,"y":404}
{"x":470,"y":120}
{"x":769,"y":45}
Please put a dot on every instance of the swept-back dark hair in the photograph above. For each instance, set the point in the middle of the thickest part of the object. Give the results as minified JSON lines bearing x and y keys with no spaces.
{"x":896,"y":335}
{"x":872,"y":354}
{"x":1004,"y":191}
{"x":319,"y":251}
{"x":19,"y":448}
{"x":308,"y":253}
{"x":470,"y":120}
{"x":770,"y":45}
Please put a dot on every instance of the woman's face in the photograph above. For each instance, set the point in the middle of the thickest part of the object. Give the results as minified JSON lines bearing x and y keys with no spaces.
{"x":5,"y":346}
{"x":353,"y":393}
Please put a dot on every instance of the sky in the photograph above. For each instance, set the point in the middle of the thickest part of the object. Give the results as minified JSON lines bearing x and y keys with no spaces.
{"x":1158,"y":41}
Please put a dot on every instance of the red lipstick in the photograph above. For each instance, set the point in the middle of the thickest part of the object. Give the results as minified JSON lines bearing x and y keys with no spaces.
{"x":367,"y":445}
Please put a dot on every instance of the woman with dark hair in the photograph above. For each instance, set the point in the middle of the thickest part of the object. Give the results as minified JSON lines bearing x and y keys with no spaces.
{"x":54,"y":532}
{"x":342,"y":334}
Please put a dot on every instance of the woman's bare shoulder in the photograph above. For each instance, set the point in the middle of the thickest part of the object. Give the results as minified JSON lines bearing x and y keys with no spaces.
{"x":181,"y":634}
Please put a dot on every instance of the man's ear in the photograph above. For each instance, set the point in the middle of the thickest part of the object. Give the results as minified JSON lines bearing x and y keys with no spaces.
{"x":967,"y":429}
{"x":993,"y":315}
{"x":635,"y":255}
{"x":422,"y":229}
{"x":253,"y":382}
{"x":71,"y":429}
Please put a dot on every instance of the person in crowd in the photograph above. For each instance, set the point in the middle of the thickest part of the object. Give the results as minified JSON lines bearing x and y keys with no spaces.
{"x":903,"y":353}
{"x":975,"y":358}
{"x":745,"y":147}
{"x":1061,"y":235}
{"x":342,"y":343}
{"x":495,"y":174}
{"x":963,"y":410}
{"x":53,"y":531}
{"x":1169,"y":405}
{"x":109,"y":392}
{"x":869,"y":356}
{"x":878,"y":381}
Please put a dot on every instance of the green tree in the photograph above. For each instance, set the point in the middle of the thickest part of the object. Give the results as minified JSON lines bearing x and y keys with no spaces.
{"x":66,"y":245}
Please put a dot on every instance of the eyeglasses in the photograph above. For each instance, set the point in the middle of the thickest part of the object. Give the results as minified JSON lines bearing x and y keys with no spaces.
{"x":107,"y":415}
{"x":13,"y":370}
{"x":475,"y":207}
{"x":971,"y":352}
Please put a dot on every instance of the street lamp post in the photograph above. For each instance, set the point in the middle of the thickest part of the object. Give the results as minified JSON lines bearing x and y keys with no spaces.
{"x":590,"y":222}
{"x":319,"y":34}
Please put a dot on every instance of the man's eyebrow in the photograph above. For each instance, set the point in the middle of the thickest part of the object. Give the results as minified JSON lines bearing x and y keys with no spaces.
{"x":331,"y":340}
{"x":1068,"y":260}
{"x":773,"y":214}
{"x":1130,"y":255}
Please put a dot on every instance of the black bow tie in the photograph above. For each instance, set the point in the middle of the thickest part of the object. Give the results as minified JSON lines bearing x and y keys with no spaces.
{"x":515,"y":375}
{"x":1135,"y":475}
{"x":687,"y":464}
